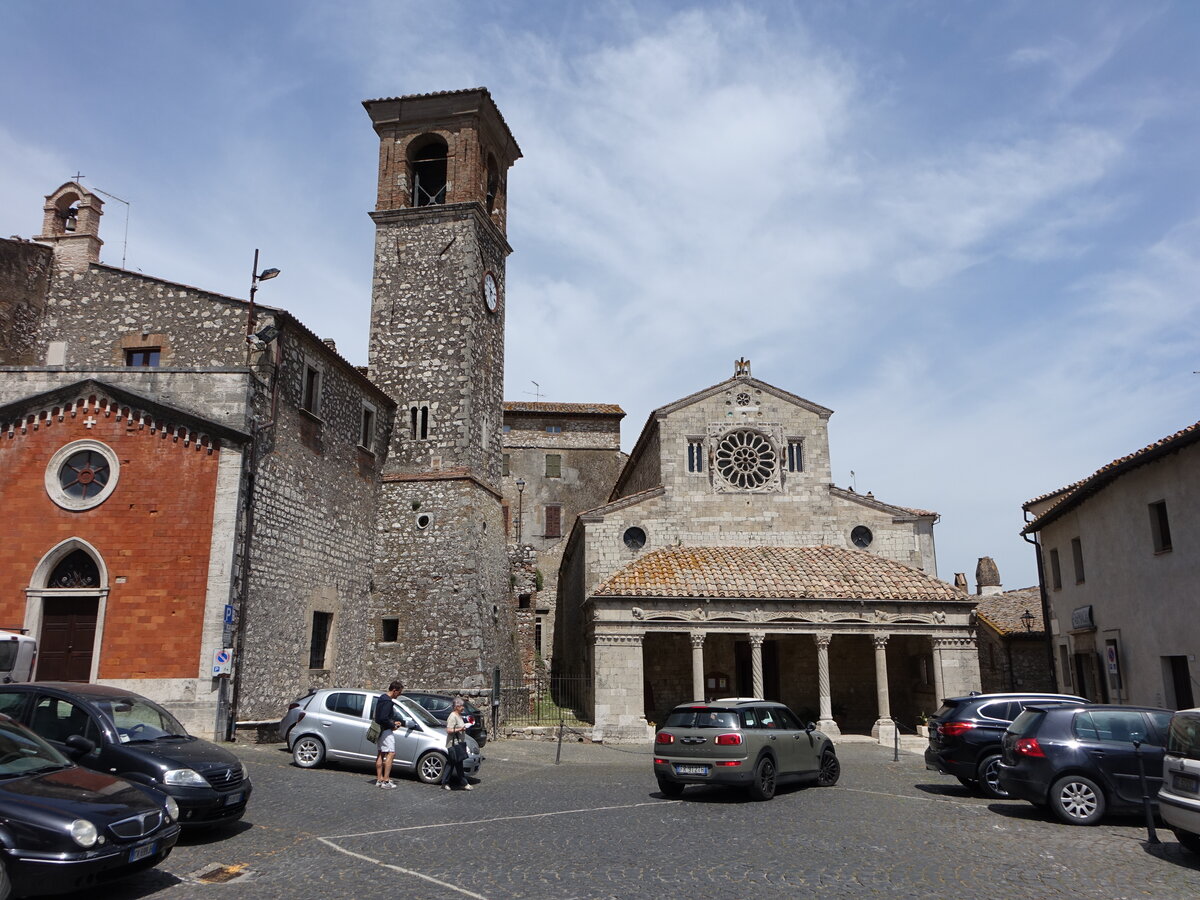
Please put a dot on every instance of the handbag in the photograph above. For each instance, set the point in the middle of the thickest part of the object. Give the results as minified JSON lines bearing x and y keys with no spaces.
{"x":458,"y":751}
{"x":373,"y":732}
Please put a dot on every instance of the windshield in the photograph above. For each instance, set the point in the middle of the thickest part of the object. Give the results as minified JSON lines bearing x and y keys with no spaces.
{"x":22,"y":752}
{"x":702,"y":718}
{"x":1184,"y":736}
{"x":139,"y":719}
{"x":418,"y":712}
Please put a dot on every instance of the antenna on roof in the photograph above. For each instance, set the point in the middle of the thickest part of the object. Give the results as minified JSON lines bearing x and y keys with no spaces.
{"x":536,"y":392}
{"x":124,"y":240}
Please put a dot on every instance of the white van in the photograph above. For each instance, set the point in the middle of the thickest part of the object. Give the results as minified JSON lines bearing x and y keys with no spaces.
{"x":18,"y":653}
{"x":1179,"y":796}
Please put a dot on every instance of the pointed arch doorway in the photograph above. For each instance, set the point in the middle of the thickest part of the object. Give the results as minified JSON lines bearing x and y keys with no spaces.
{"x":64,"y":608}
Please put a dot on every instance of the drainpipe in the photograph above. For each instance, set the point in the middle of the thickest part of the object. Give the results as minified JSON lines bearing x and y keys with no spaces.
{"x":1037,"y":549}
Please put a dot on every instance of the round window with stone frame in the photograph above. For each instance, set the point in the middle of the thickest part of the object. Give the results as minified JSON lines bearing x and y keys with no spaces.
{"x":634,"y":538}
{"x":423,"y":521}
{"x":746,"y":459}
{"x":743,"y":399}
{"x":861,"y":537}
{"x":82,"y":475}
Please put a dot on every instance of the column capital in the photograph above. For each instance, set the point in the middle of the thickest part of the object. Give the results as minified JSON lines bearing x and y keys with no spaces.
{"x":757,"y":638}
{"x":880,"y":641}
{"x":697,"y":638}
{"x":823,"y":638}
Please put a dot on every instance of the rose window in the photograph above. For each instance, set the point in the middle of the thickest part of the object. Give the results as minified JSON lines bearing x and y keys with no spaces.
{"x":743,"y":399}
{"x":745,"y":459}
{"x":84,"y":474}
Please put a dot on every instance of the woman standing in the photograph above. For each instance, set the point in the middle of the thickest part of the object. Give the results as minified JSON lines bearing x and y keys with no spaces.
{"x":456,"y":747}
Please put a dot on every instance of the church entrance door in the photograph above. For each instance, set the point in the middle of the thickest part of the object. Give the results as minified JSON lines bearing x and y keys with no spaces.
{"x":67,"y":639}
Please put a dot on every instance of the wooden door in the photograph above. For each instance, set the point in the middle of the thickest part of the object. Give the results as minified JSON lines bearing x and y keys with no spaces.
{"x":67,"y":639}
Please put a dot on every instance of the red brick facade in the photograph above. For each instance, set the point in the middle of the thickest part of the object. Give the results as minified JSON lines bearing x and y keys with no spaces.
{"x":153,"y":534}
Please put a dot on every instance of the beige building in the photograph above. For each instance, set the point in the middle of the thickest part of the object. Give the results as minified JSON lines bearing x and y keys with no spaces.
{"x":727,"y":563}
{"x":1118,"y":560}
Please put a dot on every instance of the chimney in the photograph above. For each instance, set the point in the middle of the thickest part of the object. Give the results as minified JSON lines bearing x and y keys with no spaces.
{"x":960,"y":582}
{"x":987,"y":577}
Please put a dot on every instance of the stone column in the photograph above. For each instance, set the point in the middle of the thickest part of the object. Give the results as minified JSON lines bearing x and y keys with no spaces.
{"x":939,"y":689}
{"x":756,"y":675}
{"x":884,"y":729}
{"x":959,"y":665}
{"x":698,"y":665}
{"x":825,"y":697}
{"x":619,"y":705}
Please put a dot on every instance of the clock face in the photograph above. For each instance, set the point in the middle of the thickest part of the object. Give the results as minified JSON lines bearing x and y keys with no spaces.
{"x":491,"y":293}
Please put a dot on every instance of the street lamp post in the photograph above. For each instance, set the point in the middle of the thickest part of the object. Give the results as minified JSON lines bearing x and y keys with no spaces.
{"x":255,"y":277}
{"x":520,"y":506}
{"x":1027,"y":620}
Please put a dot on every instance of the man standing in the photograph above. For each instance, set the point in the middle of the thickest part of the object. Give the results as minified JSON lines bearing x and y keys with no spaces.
{"x":386,"y":718}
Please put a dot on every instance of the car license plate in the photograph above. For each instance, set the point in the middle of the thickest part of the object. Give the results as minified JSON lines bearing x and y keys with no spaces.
{"x":1187,"y":783}
{"x":691,"y":770}
{"x":233,"y":799}
{"x":142,"y":852}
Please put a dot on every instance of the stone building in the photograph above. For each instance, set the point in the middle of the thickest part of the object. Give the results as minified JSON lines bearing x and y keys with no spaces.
{"x":1013,"y":652}
{"x":193,"y":474}
{"x":200,"y":473}
{"x":559,"y":459}
{"x":1117,"y":560}
{"x":727,"y":563}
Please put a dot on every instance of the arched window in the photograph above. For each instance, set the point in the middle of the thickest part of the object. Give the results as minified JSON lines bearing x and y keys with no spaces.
{"x":76,"y":570}
{"x":427,"y":160}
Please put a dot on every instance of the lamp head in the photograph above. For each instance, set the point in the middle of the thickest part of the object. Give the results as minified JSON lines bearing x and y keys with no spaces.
{"x":267,"y":274}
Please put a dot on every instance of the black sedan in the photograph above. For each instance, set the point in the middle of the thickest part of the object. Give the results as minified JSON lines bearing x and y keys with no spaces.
{"x":1081,"y":760}
{"x":64,"y":828}
{"x":138,"y":740}
{"x":441,"y":704}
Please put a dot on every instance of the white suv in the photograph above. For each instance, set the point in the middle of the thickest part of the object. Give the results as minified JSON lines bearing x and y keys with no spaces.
{"x":1179,"y":796}
{"x":332,"y":725}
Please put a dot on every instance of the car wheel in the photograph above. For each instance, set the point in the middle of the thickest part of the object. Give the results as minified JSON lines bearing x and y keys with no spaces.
{"x":989,"y":777}
{"x":308,"y":752}
{"x":1077,"y":800}
{"x":431,"y":767}
{"x":5,"y":884}
{"x":831,"y":769}
{"x":670,"y":788}
{"x":967,"y":782}
{"x":1188,"y":840}
{"x":763,"y":785}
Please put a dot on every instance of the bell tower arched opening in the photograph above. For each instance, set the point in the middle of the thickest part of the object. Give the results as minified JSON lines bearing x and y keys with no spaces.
{"x":427,"y":161}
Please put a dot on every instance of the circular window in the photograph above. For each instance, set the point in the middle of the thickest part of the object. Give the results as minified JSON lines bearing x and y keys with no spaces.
{"x":82,"y":475}
{"x":634,"y":538}
{"x":745,"y":458}
{"x":861,"y":537}
{"x":743,"y":399}
{"x":423,"y":521}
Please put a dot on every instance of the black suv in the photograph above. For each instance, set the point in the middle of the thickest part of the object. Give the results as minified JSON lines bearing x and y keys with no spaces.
{"x":1081,"y":760}
{"x":966,"y":733}
{"x":440,"y":705}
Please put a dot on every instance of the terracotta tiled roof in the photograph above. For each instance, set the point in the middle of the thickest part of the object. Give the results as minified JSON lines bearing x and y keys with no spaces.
{"x":571,"y":409}
{"x":874,"y":502}
{"x":792,"y":573}
{"x":1075,"y":494}
{"x":1003,"y":611}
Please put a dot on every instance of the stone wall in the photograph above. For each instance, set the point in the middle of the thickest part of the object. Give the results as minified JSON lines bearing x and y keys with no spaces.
{"x":24,"y":277}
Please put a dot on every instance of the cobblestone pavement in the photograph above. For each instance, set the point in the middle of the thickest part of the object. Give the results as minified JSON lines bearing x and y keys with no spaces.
{"x":595,"y":827}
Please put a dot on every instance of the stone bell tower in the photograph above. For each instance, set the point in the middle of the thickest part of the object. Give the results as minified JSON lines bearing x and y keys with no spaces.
{"x":71,"y":225}
{"x":441,"y":597}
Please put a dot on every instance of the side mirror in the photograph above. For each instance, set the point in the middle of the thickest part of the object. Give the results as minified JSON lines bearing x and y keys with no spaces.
{"x":77,"y":745}
{"x":810,"y":727}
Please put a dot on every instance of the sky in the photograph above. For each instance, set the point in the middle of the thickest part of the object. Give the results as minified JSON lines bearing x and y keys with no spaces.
{"x":972,"y":229}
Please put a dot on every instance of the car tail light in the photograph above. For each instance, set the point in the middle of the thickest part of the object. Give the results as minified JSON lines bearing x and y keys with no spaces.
{"x":470,"y":720}
{"x":659,"y":761}
{"x":664,"y":738}
{"x":728,"y":740}
{"x":1029,"y":747}
{"x":301,"y":716}
{"x":730,"y":762}
{"x":954,"y":729}
{"x":292,"y":706}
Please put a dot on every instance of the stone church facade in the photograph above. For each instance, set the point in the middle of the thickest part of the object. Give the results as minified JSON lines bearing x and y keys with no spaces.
{"x":726,"y":563}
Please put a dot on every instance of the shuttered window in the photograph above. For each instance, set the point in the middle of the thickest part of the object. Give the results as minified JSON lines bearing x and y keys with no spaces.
{"x":553,"y":521}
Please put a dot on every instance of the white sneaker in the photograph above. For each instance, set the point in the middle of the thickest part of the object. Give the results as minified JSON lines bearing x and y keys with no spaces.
{"x":445,"y":787}
{"x":387,"y":785}
{"x":467,"y":787}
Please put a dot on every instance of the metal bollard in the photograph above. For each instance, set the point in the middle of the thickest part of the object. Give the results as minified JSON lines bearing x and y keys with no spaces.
{"x":1152,"y":834}
{"x":558,"y":752}
{"x":895,"y":740}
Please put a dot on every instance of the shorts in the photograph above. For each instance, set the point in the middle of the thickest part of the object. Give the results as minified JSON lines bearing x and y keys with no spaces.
{"x":387,"y":741}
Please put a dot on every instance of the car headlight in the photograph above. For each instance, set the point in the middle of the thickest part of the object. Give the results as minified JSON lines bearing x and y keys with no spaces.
{"x":184,"y":778}
{"x":172,"y":809}
{"x":84,"y":833}
{"x":245,"y":771}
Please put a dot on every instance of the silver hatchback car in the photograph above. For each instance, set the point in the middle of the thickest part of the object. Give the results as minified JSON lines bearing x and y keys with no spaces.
{"x":332,"y":725}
